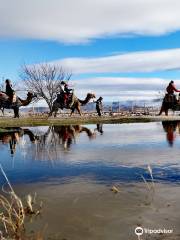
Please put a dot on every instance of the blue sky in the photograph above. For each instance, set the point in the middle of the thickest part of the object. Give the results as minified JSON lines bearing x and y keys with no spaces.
{"x":120,"y":50}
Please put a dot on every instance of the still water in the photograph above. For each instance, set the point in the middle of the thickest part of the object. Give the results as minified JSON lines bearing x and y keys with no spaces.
{"x":101,"y":153}
{"x":72,"y":169}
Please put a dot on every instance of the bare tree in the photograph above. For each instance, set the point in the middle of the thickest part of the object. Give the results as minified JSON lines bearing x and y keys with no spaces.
{"x":44,"y":80}
{"x":1,"y":87}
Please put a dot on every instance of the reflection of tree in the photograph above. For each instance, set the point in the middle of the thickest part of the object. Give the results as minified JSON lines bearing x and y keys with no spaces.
{"x":170,"y":129}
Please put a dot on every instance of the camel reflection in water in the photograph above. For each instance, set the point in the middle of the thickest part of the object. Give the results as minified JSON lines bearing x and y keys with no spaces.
{"x":48,"y":144}
{"x":12,"y":136}
{"x":171,"y":128}
{"x":51,"y":142}
{"x":59,"y":139}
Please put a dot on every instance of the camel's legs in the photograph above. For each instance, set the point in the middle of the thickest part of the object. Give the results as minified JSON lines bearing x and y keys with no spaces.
{"x":72,"y":111}
{"x":79,"y":111}
{"x":55,"y":113}
{"x":50,"y":114}
{"x":164,"y":109}
{"x":16,"y":112}
{"x":161,"y":111}
{"x":54,"y":110}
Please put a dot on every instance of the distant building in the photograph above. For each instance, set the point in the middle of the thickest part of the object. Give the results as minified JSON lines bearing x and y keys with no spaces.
{"x":115,"y":106}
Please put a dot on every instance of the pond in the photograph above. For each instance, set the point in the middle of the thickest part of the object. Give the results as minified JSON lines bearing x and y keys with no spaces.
{"x":74,"y":169}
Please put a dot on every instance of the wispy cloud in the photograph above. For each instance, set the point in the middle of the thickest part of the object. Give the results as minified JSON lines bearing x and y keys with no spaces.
{"x":124,"y":81}
{"x":122,"y":89}
{"x":80,"y":21}
{"x":144,"y":61}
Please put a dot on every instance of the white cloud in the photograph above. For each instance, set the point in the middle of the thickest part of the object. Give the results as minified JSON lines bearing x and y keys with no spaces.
{"x":123,"y":81}
{"x":144,"y":61}
{"x":122,"y":89}
{"x":82,"y":20}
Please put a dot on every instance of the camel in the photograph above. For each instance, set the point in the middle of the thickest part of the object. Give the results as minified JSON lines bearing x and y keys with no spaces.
{"x":5,"y":104}
{"x":169,"y":102}
{"x":76,"y":104}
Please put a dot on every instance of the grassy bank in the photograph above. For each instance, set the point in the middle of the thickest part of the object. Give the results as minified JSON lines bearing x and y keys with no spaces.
{"x":42,"y":121}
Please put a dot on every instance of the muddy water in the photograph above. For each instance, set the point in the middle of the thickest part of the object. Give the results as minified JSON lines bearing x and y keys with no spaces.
{"x":73,"y":168}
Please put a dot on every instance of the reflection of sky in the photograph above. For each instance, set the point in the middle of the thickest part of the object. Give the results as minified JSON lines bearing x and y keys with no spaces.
{"x":123,"y":153}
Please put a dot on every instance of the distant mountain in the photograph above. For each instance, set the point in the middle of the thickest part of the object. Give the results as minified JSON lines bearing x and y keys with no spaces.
{"x":34,"y":109}
{"x":113,"y":106}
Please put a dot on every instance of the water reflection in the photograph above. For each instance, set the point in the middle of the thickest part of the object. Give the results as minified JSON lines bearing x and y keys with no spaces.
{"x":104,"y":153}
{"x":91,"y":159}
{"x":171,"y":128}
{"x":56,"y":140}
{"x":45,"y":144}
{"x":99,"y":128}
{"x":49,"y":141}
{"x":68,"y":134}
{"x":12,"y":136}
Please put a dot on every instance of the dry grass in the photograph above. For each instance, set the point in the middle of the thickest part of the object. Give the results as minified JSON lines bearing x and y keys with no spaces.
{"x":148,"y":185}
{"x":13,"y":213}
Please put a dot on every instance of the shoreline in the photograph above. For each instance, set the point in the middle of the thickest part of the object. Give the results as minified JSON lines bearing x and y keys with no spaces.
{"x":43,"y":121}
{"x":109,"y":214}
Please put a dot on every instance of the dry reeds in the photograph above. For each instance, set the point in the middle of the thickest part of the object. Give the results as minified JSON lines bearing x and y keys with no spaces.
{"x":13,"y":213}
{"x":148,"y":185}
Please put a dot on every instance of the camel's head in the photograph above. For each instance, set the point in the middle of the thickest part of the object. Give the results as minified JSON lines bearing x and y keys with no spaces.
{"x":91,"y":95}
{"x":31,"y":95}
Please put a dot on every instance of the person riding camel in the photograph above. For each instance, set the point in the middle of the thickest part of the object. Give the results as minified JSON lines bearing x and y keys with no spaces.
{"x":170,"y":91}
{"x":10,"y":91}
{"x":65,"y":91}
{"x":171,"y":88}
{"x":170,"y":97}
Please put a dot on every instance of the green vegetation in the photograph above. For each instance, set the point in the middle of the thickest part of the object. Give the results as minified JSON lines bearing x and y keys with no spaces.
{"x":43,"y":121}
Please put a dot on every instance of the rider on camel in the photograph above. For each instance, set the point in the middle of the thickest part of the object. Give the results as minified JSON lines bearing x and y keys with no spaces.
{"x":170,"y":97}
{"x":170,"y":91}
{"x":65,"y":91}
{"x":171,"y":88}
{"x":10,"y":91}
